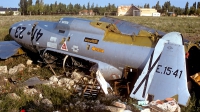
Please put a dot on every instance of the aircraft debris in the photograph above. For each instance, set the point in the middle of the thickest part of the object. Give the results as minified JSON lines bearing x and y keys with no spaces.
{"x":104,"y":85}
{"x":10,"y":48}
{"x":143,"y":103}
{"x":196,"y":78}
{"x":33,"y":81}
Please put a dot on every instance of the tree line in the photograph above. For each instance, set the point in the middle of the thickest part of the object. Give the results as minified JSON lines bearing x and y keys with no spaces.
{"x":40,"y":8}
{"x":194,"y":9}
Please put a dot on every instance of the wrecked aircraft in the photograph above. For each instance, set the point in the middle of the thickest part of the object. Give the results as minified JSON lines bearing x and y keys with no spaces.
{"x":151,"y":62}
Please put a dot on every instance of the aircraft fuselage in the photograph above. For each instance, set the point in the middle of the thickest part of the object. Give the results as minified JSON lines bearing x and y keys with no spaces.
{"x":80,"y":38}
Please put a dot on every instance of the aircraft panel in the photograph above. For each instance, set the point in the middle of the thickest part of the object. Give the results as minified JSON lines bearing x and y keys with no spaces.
{"x":8,"y":49}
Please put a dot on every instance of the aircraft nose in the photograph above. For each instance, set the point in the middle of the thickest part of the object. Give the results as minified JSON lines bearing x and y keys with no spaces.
{"x":10,"y":30}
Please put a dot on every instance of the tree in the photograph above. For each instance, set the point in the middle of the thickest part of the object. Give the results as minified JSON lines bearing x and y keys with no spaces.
{"x":77,"y":8}
{"x":148,"y":6}
{"x":9,"y":12}
{"x":145,"y":5}
{"x":192,"y":10}
{"x":92,"y":6}
{"x":30,"y":9}
{"x":23,"y":6}
{"x":29,"y":2}
{"x":158,"y":7}
{"x":84,"y":7}
{"x":178,"y":11}
{"x":30,"y":6}
{"x":195,"y":5}
{"x":96,"y":9}
{"x":198,"y":5}
{"x":186,"y":8}
{"x":166,"y":7}
{"x":70,"y":8}
{"x":88,"y":6}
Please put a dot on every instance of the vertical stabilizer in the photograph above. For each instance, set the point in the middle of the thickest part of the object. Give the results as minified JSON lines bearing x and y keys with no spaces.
{"x":170,"y":77}
{"x":142,"y":85}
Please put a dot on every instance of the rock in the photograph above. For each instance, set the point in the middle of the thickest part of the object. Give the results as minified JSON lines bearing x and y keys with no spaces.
{"x":16,"y":69}
{"x":3,"y":70}
{"x":114,"y":109}
{"x":40,"y":95}
{"x":127,"y":111}
{"x":47,"y":102}
{"x":13,"y":70}
{"x":68,"y":86}
{"x":146,"y":110}
{"x":169,"y":105}
{"x":30,"y":92}
{"x":119,"y":104}
{"x":77,"y":75}
{"x":71,"y":105}
{"x":29,"y":62}
{"x":53,"y":79}
{"x":63,"y":81}
{"x":97,"y":102}
{"x":13,"y":96}
{"x":48,"y":83}
{"x":77,"y":103}
{"x":21,"y":67}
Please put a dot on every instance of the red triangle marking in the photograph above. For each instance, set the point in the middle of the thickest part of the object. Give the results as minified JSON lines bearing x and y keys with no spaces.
{"x":64,"y":46}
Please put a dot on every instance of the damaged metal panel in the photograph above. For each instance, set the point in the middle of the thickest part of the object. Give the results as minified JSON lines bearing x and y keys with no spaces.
{"x":9,"y":48}
{"x":129,"y":28}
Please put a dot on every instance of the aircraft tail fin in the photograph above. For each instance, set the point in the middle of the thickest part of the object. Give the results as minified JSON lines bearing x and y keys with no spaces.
{"x":170,"y":78}
{"x":164,"y":75}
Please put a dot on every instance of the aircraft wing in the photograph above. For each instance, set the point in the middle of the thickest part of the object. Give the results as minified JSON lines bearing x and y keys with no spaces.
{"x":9,"y":48}
{"x":170,"y":77}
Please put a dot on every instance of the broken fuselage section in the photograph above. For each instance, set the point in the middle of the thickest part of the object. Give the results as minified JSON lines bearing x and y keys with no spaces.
{"x":115,"y":48}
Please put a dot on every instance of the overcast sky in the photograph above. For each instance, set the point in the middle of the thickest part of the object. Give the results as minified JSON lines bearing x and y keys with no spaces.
{"x":177,"y":3}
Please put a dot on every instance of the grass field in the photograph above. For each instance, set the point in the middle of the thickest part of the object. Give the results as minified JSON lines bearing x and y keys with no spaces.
{"x":189,"y":27}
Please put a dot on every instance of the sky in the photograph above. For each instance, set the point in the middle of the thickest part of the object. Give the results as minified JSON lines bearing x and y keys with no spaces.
{"x":177,"y":3}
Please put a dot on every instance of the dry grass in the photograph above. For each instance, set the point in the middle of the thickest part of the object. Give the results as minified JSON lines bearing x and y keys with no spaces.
{"x":188,"y":26}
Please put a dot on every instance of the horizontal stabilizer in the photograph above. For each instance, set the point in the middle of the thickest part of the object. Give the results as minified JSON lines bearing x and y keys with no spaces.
{"x":170,"y":78}
{"x":9,"y":48}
